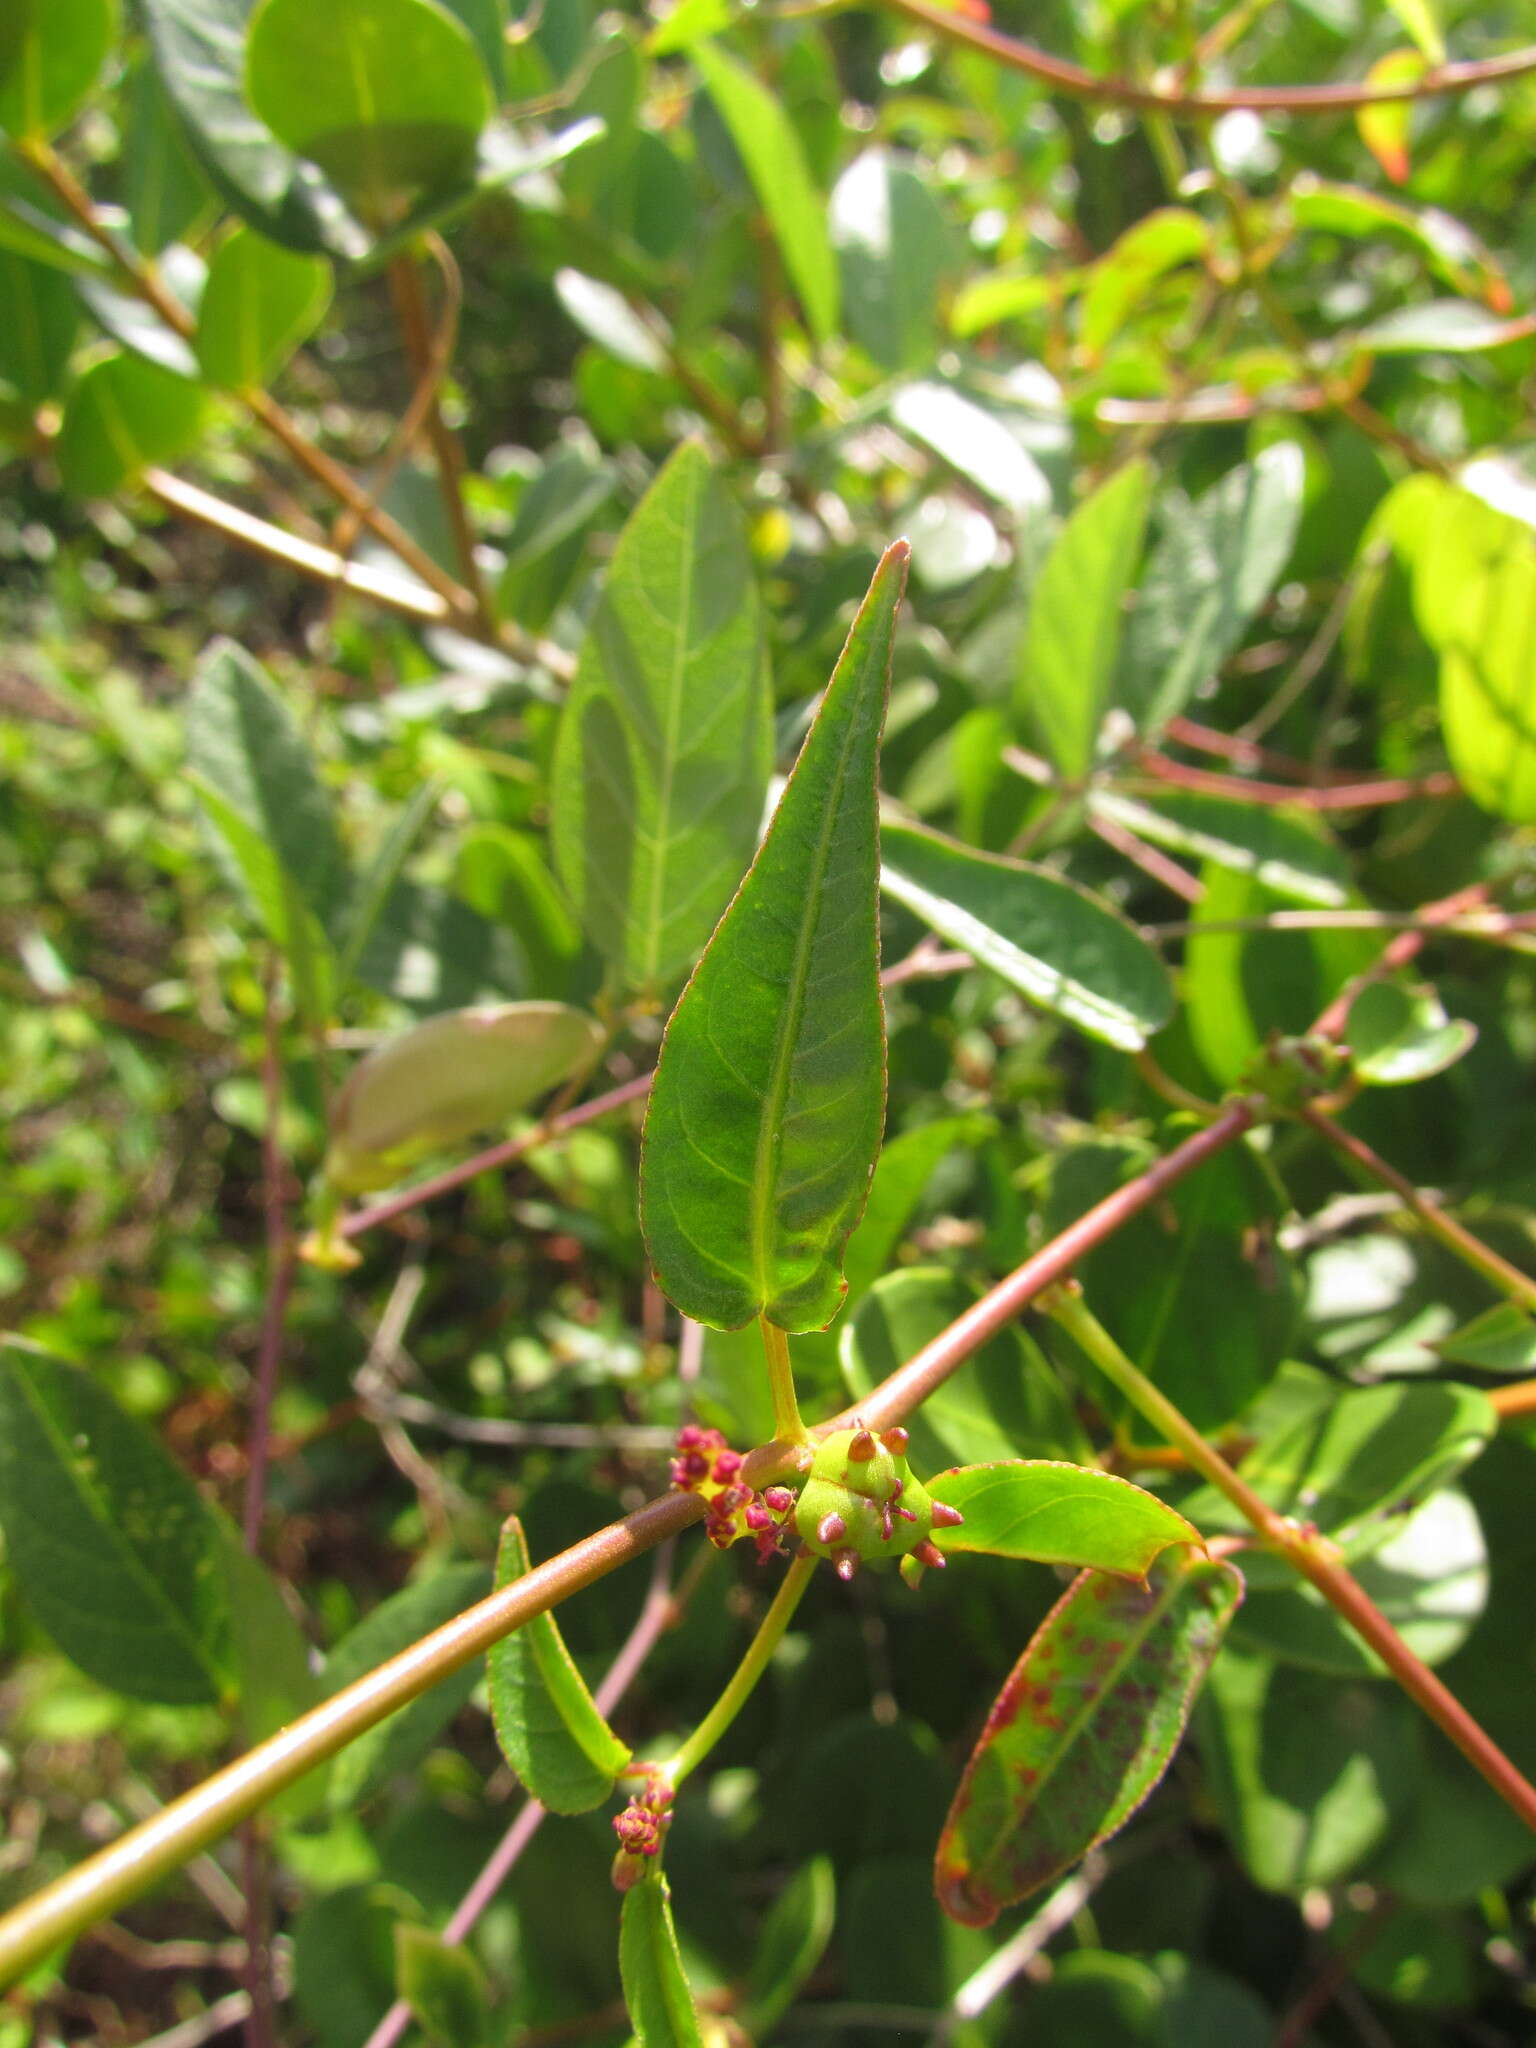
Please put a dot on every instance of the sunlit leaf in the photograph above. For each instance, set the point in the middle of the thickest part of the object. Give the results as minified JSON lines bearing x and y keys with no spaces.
{"x":123,"y":414}
{"x":1159,"y":242}
{"x":1385,"y":127}
{"x":1058,"y":1514}
{"x":50,"y":54}
{"x":259,"y":304}
{"x":1399,"y":1034}
{"x":1501,"y":1339}
{"x":1286,"y":850}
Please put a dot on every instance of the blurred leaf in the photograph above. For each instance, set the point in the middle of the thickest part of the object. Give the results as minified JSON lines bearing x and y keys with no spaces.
{"x":1082,"y":1730}
{"x":1501,"y":1339}
{"x":268,"y":1651}
{"x":259,"y":304}
{"x":1097,"y":2000}
{"x":906,"y":1165}
{"x":606,"y":315}
{"x":1399,"y":1034}
{"x":1073,"y":637}
{"x":1421,"y":20}
{"x":457,"y":1073}
{"x":764,"y":1116}
{"x":793,"y":1940}
{"x":122,"y":414}
{"x":1448,"y":326}
{"x":1058,"y":1514}
{"x":1385,"y":127}
{"x":138,"y":326}
{"x":398,"y":1744}
{"x":894,"y":250}
{"x":770,"y":149}
{"x":661,"y":2009}
{"x":547,"y":1723}
{"x":432,"y":952}
{"x":109,"y":1540}
{"x":444,"y":1987}
{"x":1062,"y":948}
{"x":686,"y":23}
{"x":164,"y":189}
{"x":39,"y":318}
{"x":1447,"y":245}
{"x":1159,"y":242}
{"x":663,"y":755}
{"x":558,"y":510}
{"x":1215,"y":563}
{"x":1286,"y":850}
{"x":975,"y":443}
{"x":378,"y":879}
{"x":51,"y":52}
{"x":388,"y":97}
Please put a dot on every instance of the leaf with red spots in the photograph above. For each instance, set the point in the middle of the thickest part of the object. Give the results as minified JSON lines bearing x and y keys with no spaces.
{"x":1082,"y":1731}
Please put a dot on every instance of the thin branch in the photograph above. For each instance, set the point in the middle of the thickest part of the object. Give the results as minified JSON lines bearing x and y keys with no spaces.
{"x":1150,"y":859}
{"x":1334,"y":1021}
{"x":281,"y":1268}
{"x":1475,"y":924}
{"x":1341,"y":796}
{"x":1071,"y":79}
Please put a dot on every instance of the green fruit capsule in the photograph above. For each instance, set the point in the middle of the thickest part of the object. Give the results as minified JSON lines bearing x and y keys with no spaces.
{"x":860,"y":1503}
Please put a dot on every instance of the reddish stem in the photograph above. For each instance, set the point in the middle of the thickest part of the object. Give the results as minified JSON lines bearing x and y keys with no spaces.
{"x":1150,"y":859}
{"x":1339,"y":796}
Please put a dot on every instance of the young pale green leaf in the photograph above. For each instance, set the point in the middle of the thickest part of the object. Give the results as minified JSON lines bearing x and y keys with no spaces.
{"x":547,"y":1723}
{"x":1058,"y":1514}
{"x":765,"y":1113}
{"x":793,"y":1940}
{"x":1501,"y":1339}
{"x":1059,"y":945}
{"x":50,"y":54}
{"x":1399,"y":1034}
{"x":444,"y":1987}
{"x":1288,"y":851}
{"x":661,"y":2008}
{"x":1073,"y":637}
{"x":665,"y":745}
{"x":397,"y":1745}
{"x":124,"y":413}
{"x":110,"y":1542}
{"x":445,"y":1079}
{"x":259,"y":304}
{"x":388,"y":97}
{"x":1214,"y":565}
{"x":39,"y":318}
{"x":770,"y":149}
{"x":1082,"y":1730}
{"x":1159,"y":242}
{"x":1421,"y":19}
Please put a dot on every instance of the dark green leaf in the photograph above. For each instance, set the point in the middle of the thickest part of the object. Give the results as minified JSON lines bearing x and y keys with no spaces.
{"x":39,"y":318}
{"x":1286,"y":850}
{"x":894,"y":247}
{"x":769,"y":147}
{"x":1399,"y":1034}
{"x":444,"y":1987}
{"x":124,"y":413}
{"x":50,"y":54}
{"x":259,"y":304}
{"x":1058,"y":1514}
{"x":396,"y":1745}
{"x":139,"y":326}
{"x":388,"y":97}
{"x":1082,"y":1730}
{"x":556,"y":514}
{"x":1501,"y":1339}
{"x":792,"y":1942}
{"x":164,"y":189}
{"x":1060,"y":946}
{"x":906,"y":1165}
{"x":432,"y":952}
{"x":662,"y":760}
{"x":1215,"y":564}
{"x":110,"y":1542}
{"x":1073,"y":637}
{"x":547,"y":1723}
{"x":268,"y":1650}
{"x":764,"y":1117}
{"x":660,"y":2004}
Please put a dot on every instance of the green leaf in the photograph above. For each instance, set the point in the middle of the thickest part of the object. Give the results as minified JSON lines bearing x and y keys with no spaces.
{"x":398,"y":1744}
{"x":259,"y":304}
{"x":139,"y":326}
{"x":1501,"y":1339}
{"x":894,"y":249}
{"x":110,"y":1542}
{"x":1058,"y":1514}
{"x":557,"y":512}
{"x":1094,"y":1999}
{"x":1073,"y":637}
{"x":975,"y":443}
{"x":1399,"y":1034}
{"x":39,"y":319}
{"x":661,"y":2009}
{"x":388,"y":97}
{"x":686,"y":23}
{"x":665,"y":745}
{"x":770,"y":149}
{"x":123,"y":414}
{"x":30,"y":227}
{"x":444,"y":1987}
{"x":1159,"y":242}
{"x":906,"y":1165}
{"x":432,"y":952}
{"x":268,"y":1650}
{"x":382,"y":872}
{"x":457,"y":1073}
{"x":1060,"y":946}
{"x":1286,"y":850}
{"x":51,"y":52}
{"x":547,"y":1722}
{"x":1214,"y":565}
{"x":792,"y":1942}
{"x":1420,"y":19}
{"x":1439,"y":326}
{"x":1372,"y":1451}
{"x":1082,"y":1730}
{"x":164,"y":188}
{"x":765,"y":1113}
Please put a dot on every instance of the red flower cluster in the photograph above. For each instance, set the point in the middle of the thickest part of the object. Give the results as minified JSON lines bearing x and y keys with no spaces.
{"x":641,"y":1829}
{"x":705,"y":1464}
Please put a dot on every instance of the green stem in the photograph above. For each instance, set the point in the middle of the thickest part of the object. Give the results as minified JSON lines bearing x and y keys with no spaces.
{"x":787,"y":1424}
{"x":746,"y":1674}
{"x":1312,"y":1555}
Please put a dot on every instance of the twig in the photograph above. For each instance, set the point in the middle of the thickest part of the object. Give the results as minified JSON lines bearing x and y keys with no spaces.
{"x":992,"y":1978}
{"x":1334,"y":1021}
{"x":1336,"y":1971}
{"x":1150,"y":859}
{"x":1339,"y":796}
{"x":1077,"y":83}
{"x":1477,"y":924}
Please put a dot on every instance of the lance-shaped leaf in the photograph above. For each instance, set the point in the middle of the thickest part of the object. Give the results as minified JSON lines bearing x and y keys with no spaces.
{"x":1082,"y":1731}
{"x":661,"y":2008}
{"x":547,"y":1723}
{"x":447,"y":1078}
{"x":765,"y":1112}
{"x":1059,"y":945}
{"x":1058,"y":1514}
{"x":666,"y":742}
{"x":111,"y":1544}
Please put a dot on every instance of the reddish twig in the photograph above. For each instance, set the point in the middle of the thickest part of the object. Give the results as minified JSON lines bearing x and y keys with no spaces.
{"x":1407,"y":946}
{"x":1150,"y":859}
{"x":1339,"y":796}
